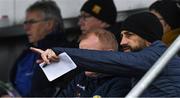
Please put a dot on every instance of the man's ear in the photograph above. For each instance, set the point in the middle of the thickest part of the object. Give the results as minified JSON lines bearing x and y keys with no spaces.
{"x":50,"y":24}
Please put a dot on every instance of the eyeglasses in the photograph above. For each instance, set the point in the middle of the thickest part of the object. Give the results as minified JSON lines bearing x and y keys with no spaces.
{"x":84,"y":16}
{"x":33,"y":21}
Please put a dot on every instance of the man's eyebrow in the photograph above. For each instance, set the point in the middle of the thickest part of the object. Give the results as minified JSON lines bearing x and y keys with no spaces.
{"x":127,"y":32}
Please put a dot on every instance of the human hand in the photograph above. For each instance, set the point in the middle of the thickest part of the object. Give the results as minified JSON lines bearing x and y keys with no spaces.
{"x":47,"y":56}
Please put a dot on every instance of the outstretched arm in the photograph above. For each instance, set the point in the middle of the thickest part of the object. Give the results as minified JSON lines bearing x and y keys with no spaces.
{"x":119,"y":63}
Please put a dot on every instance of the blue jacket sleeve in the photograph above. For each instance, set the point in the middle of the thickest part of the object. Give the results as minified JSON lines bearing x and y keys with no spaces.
{"x":119,"y":63}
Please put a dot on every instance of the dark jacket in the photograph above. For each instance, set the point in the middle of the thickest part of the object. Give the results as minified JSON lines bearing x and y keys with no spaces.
{"x":102,"y":85}
{"x":132,"y":64}
{"x":53,"y":39}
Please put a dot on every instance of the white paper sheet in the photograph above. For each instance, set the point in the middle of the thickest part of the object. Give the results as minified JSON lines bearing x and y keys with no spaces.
{"x":57,"y":69}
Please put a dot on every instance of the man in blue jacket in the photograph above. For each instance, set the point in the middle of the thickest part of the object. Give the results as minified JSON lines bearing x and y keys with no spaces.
{"x":141,"y":33}
{"x":44,"y":29}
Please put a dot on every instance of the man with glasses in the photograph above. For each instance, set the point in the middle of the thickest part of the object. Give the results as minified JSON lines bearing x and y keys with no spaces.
{"x":44,"y":29}
{"x":96,"y":14}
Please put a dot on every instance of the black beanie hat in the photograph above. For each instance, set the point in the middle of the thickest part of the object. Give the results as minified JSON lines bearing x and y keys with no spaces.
{"x":104,"y":10}
{"x":144,"y":24}
{"x":169,"y":10}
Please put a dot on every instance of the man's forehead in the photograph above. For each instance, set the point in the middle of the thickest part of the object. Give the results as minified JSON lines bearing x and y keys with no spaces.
{"x":34,"y":14}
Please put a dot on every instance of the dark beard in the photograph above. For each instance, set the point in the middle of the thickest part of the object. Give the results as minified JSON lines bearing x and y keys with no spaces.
{"x":131,"y":49}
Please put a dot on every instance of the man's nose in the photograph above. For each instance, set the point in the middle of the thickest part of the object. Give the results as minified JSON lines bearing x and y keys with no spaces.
{"x":80,"y":22}
{"x":123,"y":41}
{"x":26,"y":27}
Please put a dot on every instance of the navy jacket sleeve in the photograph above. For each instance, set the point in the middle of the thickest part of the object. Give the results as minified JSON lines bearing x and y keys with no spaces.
{"x":119,"y":63}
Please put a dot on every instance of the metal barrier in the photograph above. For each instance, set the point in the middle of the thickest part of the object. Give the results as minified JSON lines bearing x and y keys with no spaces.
{"x":155,"y":70}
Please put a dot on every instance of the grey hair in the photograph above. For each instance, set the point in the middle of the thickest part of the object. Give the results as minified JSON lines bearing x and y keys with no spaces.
{"x":50,"y":10}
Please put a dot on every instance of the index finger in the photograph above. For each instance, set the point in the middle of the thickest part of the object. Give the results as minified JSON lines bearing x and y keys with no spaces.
{"x":37,"y":50}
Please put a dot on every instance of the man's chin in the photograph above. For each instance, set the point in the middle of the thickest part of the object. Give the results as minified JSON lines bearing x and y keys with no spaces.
{"x":31,"y":41}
